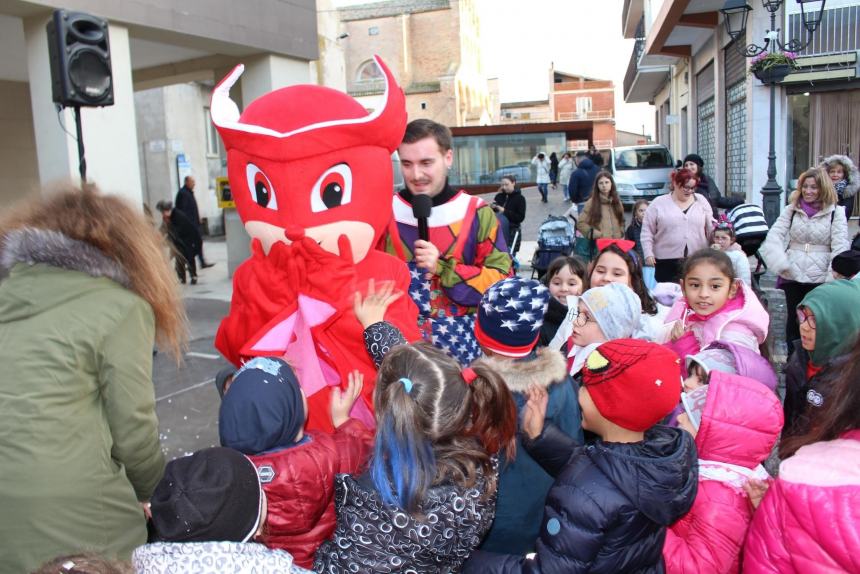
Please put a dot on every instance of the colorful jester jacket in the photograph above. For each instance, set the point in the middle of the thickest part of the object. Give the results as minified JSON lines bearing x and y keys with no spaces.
{"x":473,"y":256}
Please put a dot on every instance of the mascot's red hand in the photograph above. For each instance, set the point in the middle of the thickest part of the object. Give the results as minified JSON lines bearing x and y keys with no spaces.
{"x":344,"y":247}
{"x":327,"y":276}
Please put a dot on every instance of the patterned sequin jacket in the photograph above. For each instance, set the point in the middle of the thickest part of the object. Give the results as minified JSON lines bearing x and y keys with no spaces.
{"x":374,"y":537}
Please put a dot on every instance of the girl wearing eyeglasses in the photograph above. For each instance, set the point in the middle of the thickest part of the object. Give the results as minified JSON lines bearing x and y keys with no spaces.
{"x":675,"y":226}
{"x":829,"y":322}
{"x":604,"y":313}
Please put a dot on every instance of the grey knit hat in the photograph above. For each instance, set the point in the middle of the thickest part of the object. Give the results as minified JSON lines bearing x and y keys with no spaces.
{"x":713,"y":360}
{"x":616,"y":308}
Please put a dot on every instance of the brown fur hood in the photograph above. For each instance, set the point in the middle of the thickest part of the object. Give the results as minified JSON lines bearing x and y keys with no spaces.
{"x":31,"y":245}
{"x":547,"y":368}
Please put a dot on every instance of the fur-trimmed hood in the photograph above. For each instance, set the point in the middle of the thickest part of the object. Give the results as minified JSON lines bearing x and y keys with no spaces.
{"x":543,"y":368}
{"x":31,"y":245}
{"x":852,"y":174}
{"x":46,"y":270}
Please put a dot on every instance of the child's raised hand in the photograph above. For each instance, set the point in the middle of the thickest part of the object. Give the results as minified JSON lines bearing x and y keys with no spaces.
{"x":756,"y":489}
{"x":677,"y":330}
{"x":342,"y":400}
{"x":535,"y":411}
{"x":371,"y":309}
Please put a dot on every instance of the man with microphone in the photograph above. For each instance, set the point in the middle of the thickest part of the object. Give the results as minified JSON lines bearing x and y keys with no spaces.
{"x":450,"y":240}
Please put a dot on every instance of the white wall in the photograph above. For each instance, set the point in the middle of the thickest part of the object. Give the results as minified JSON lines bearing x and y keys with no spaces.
{"x":18,"y":162}
{"x":109,"y":133}
{"x":172,"y":121}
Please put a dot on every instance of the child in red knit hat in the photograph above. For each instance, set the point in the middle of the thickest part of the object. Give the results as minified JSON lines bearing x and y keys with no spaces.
{"x":612,"y":499}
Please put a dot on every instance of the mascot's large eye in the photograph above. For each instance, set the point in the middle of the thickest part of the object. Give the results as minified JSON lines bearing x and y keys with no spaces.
{"x":262,"y":192}
{"x":333,"y":188}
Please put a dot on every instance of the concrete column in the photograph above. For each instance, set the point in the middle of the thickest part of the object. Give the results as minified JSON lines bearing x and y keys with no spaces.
{"x":110,"y":134}
{"x":271,"y":72}
{"x":261,"y":76}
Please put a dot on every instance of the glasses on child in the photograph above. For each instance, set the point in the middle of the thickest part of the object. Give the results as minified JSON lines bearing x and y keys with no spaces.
{"x":582,"y":319}
{"x":804,"y":317}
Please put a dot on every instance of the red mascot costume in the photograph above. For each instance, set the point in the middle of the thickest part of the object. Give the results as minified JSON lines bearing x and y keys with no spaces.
{"x":310,"y":172}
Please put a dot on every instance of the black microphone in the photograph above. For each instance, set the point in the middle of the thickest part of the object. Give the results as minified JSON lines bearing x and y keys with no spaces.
{"x":421,"y":207}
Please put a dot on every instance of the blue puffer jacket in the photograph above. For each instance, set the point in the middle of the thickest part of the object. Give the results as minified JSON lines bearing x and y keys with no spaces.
{"x":523,"y":484}
{"x":582,"y":180}
{"x":610,"y":504}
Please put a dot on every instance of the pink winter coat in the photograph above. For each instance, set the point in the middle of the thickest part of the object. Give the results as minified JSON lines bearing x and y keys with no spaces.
{"x":669,"y":233}
{"x":809,"y":521}
{"x":746,"y":325}
{"x":741,"y":422}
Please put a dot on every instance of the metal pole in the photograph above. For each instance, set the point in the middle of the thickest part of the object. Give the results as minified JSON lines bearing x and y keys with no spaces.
{"x":82,"y":165}
{"x":771,"y":191}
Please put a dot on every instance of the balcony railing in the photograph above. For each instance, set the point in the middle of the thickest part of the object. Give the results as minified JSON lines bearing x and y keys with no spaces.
{"x":583,"y":85}
{"x":526,"y":117}
{"x":839,"y":31}
{"x":546,"y":117}
{"x":632,"y":67}
{"x":592,"y":115}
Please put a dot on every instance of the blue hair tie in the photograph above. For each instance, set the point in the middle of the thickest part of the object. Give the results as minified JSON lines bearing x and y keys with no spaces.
{"x":407,"y":384}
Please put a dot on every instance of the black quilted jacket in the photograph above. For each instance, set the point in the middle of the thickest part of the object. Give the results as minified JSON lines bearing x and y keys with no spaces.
{"x":609,"y":506}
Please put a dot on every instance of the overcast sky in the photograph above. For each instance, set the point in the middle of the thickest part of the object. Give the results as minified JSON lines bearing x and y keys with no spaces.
{"x":521,"y":38}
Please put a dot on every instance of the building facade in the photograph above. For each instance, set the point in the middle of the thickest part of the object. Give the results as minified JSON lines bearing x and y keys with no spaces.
{"x":578,"y":112}
{"x":571,"y":98}
{"x":433,"y":49}
{"x":685,"y":63}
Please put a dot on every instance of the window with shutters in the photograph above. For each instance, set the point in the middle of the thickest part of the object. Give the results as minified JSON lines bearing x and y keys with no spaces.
{"x":583,"y":105}
{"x":706,"y":140}
{"x":736,"y":131}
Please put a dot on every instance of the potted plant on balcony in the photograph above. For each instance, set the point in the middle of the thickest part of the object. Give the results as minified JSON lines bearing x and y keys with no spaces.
{"x":773,"y":67}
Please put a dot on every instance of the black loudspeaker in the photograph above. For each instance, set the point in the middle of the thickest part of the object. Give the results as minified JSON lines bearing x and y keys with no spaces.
{"x":79,"y":51}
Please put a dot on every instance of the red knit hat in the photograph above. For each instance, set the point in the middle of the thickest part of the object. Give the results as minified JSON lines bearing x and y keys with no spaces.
{"x":633,"y":383}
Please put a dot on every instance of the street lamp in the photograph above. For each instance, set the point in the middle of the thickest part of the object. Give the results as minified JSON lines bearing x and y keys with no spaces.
{"x":735,"y":13}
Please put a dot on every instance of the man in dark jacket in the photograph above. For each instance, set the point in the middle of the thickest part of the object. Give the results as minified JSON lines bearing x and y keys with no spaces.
{"x":612,"y":499}
{"x":510,"y":204}
{"x":184,"y":236}
{"x":582,"y":178}
{"x":187,"y":204}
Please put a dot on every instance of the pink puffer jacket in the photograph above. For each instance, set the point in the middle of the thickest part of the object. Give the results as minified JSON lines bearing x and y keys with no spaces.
{"x":745,"y":326}
{"x":740,"y":424}
{"x":809,"y":521}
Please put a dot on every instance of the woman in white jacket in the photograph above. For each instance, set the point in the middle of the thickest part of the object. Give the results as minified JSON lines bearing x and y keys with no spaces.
{"x":542,"y":167}
{"x":801,"y":244}
{"x":565,"y":168}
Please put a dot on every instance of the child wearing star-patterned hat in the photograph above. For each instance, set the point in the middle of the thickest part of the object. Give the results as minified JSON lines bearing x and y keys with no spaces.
{"x":612,"y":498}
{"x":508,"y":324}
{"x":510,"y":316}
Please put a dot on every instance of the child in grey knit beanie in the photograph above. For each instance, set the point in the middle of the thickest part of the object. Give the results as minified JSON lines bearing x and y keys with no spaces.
{"x":615,"y":307}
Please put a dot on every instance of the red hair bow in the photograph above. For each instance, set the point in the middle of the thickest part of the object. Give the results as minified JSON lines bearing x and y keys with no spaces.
{"x":624,"y":245}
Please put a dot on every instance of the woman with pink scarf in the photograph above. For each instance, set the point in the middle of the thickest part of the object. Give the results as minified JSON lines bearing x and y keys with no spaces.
{"x":802,"y":243}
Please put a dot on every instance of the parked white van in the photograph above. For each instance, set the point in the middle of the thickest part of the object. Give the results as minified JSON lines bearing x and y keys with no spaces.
{"x":641,"y":172}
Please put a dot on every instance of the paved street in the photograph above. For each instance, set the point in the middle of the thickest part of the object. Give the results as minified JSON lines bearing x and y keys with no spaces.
{"x":186,"y":400}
